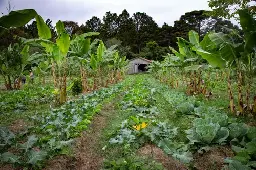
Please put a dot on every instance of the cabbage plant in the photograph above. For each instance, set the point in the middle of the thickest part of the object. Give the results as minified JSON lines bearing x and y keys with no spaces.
{"x":207,"y":131}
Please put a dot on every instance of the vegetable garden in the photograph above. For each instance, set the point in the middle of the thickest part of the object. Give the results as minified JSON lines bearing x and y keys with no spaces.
{"x":194,"y":110}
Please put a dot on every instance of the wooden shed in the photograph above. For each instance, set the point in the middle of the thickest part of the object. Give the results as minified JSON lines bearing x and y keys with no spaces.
{"x":138,"y":65}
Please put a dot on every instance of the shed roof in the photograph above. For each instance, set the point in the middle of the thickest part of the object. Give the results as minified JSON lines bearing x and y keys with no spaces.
{"x":150,"y":61}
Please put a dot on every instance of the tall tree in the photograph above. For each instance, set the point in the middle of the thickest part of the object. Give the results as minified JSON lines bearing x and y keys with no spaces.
{"x":165,"y":36}
{"x":71,"y":27}
{"x":194,"y":20}
{"x":145,"y":28}
{"x":126,"y":29}
{"x":228,"y":8}
{"x":110,"y":26}
{"x":94,"y":24}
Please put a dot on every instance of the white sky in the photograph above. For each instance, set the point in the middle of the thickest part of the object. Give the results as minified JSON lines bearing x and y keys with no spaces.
{"x":81,"y":10}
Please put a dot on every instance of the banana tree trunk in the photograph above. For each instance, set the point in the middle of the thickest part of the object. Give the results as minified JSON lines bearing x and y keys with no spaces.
{"x":248,"y":90}
{"x":83,"y":78}
{"x":254,"y":106}
{"x":63,"y":84}
{"x":9,"y":83}
{"x":231,"y":98}
{"x":43,"y":81}
{"x":54,"y":75}
{"x":195,"y":83}
{"x":240,"y":93}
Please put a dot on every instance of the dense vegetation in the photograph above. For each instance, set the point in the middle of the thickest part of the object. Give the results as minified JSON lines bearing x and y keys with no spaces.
{"x":66,"y":97}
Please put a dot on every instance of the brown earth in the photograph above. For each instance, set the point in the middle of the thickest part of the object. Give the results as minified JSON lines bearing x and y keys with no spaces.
{"x":157,"y":154}
{"x":213,"y":159}
{"x":18,"y":126}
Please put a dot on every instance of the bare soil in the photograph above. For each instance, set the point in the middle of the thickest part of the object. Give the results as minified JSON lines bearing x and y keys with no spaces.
{"x":213,"y":159}
{"x":18,"y":126}
{"x":157,"y":154}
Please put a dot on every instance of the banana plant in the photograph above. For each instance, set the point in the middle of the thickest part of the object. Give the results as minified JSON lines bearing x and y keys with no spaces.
{"x":57,"y":53}
{"x":16,"y":19}
{"x":191,"y":61}
{"x":81,"y":48}
{"x":13,"y":61}
{"x":220,"y":50}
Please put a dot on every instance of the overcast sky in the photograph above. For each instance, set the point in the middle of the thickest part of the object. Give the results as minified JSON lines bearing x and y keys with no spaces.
{"x":81,"y":10}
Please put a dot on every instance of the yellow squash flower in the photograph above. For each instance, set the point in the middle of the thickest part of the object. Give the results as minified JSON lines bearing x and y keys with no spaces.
{"x":140,"y":126}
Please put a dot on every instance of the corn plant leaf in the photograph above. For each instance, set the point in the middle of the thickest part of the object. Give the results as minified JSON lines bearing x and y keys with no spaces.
{"x":44,"y":31}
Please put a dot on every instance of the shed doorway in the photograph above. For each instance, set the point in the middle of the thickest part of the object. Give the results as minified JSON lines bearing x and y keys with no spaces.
{"x":142,"y":67}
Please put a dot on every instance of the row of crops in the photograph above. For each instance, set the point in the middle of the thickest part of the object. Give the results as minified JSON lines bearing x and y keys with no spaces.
{"x":189,"y":127}
{"x":227,"y":57}
{"x":53,"y":132}
{"x":83,"y":56}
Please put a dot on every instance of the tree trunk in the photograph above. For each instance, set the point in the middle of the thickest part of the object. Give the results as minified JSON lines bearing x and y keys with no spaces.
{"x":254,"y":105}
{"x":248,"y":90}
{"x":231,"y":98}
{"x":83,"y":79}
{"x":54,"y":75}
{"x":195,"y":83}
{"x":240,"y":93}
{"x":9,"y":83}
{"x":63,"y":84}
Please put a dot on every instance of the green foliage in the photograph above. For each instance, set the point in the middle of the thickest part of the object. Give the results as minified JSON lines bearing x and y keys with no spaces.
{"x":54,"y":130}
{"x":44,"y":31}
{"x":227,"y":8}
{"x":185,"y":108}
{"x":16,"y":19}
{"x":77,"y":86}
{"x":132,"y":162}
{"x":14,"y":101}
{"x":237,"y":130}
{"x":204,"y":131}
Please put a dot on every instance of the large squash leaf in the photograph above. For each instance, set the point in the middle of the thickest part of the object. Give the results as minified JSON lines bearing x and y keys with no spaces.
{"x":9,"y":157}
{"x":28,"y":145}
{"x":36,"y":156}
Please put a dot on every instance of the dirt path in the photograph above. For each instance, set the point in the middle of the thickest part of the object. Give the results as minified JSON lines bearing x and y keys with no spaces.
{"x":87,"y":151}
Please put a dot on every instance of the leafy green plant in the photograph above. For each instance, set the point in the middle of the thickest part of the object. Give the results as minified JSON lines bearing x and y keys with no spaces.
{"x":132,"y":162}
{"x":205,"y":131}
{"x":77,"y":86}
